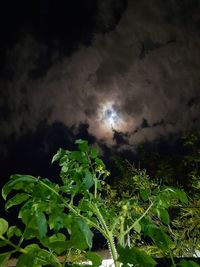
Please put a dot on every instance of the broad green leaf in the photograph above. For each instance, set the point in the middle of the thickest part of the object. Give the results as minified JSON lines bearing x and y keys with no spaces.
{"x":88,"y":179}
{"x":144,"y":193}
{"x":17,"y":182}
{"x":25,"y":212}
{"x":164,"y":201}
{"x":157,"y":234}
{"x":78,"y":156}
{"x":137,"y":227}
{"x":41,"y":256}
{"x":32,"y":248}
{"x":56,"y":220}
{"x":26,"y":260}
{"x":182,"y":196}
{"x":3,"y":226}
{"x":13,"y":230}
{"x":57,"y":237}
{"x":94,"y":153}
{"x":41,"y":223}
{"x":77,"y":239}
{"x":85,"y":205}
{"x":47,"y":257}
{"x":4,"y":259}
{"x":82,"y":145}
{"x":94,"y":258}
{"x":160,"y":238}
{"x":59,"y":247}
{"x":85,"y":230}
{"x":189,"y":263}
{"x":135,"y":256}
{"x":163,"y":215}
{"x":58,"y":243}
{"x":17,"y":200}
{"x":45,"y":192}
{"x":147,"y":226}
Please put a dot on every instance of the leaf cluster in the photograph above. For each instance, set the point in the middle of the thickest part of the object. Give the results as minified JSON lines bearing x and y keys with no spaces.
{"x":60,"y":219}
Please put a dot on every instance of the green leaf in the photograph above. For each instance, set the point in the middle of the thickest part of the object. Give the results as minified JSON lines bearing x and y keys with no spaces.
{"x":182,"y":196}
{"x":163,"y":215}
{"x":78,"y":156}
{"x":17,"y":182}
{"x":56,"y":221}
{"x":64,"y":168}
{"x":135,"y":256}
{"x":25,"y":260}
{"x":32,"y":248}
{"x":160,"y":238}
{"x":41,"y":256}
{"x":60,"y":153}
{"x":144,"y":193}
{"x":164,"y":201}
{"x":59,"y":247}
{"x":82,"y":145}
{"x":94,"y":153}
{"x":85,"y":205}
{"x":189,"y":263}
{"x":137,"y":227}
{"x":84,"y":228}
{"x":79,"y":239}
{"x":25,"y":212}
{"x":17,"y":200}
{"x":58,"y":243}
{"x":41,"y":223}
{"x":94,"y":258}
{"x":3,"y":226}
{"x":88,"y":179}
{"x":13,"y":230}
{"x":4,"y":259}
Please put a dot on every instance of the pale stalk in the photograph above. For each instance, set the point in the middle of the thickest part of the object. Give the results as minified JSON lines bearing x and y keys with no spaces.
{"x":139,"y":219}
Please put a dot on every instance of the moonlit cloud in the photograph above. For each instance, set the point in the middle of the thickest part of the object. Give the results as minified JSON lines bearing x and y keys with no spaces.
{"x":147,"y":66}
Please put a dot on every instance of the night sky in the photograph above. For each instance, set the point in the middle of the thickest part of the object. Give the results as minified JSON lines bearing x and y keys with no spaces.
{"x":115,"y":72}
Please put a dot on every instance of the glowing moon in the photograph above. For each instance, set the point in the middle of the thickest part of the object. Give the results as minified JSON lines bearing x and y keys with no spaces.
{"x":109,"y":116}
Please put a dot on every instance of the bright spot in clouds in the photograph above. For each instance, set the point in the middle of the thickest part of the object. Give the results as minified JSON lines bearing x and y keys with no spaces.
{"x":109,"y":117}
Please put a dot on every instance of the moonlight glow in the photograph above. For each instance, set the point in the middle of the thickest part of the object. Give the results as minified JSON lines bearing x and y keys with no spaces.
{"x":110,"y":117}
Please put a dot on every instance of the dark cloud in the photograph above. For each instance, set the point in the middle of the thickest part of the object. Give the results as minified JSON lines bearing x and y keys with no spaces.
{"x":145,"y":64}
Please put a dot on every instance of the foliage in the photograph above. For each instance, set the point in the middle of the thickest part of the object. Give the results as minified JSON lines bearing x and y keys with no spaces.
{"x":60,"y":219}
{"x":186,"y":224}
{"x":184,"y":228}
{"x":172,"y":165}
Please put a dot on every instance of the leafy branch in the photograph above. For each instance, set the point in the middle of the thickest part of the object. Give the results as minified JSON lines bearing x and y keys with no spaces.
{"x":62,"y":217}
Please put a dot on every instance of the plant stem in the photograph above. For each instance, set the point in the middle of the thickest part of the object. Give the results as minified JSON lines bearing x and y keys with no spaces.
{"x":108,"y":236}
{"x":172,"y":258}
{"x":17,"y":249}
{"x":139,"y":219}
{"x":105,"y":231}
{"x":121,"y":233}
{"x":93,"y":176}
{"x":73,"y":210}
{"x":95,"y":186}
